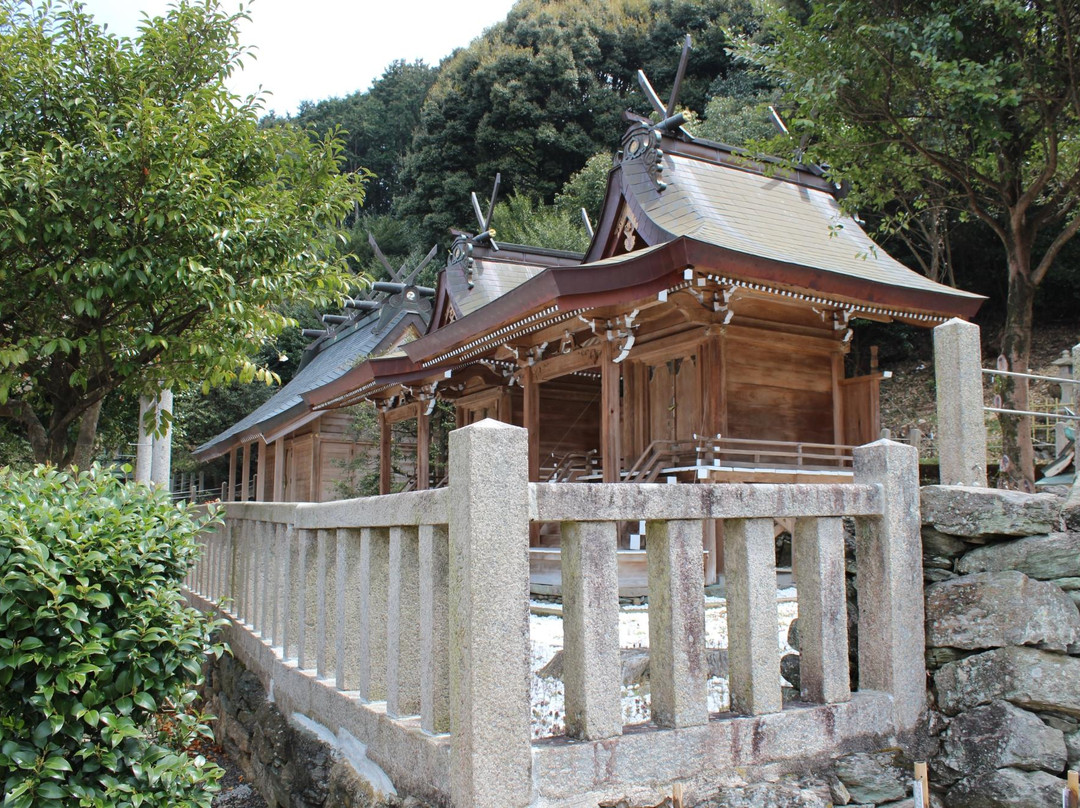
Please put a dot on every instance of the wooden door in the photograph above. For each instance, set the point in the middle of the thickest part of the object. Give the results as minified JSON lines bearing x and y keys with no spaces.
{"x":862,"y":409}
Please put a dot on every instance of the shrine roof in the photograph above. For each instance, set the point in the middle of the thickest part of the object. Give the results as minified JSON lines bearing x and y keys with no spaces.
{"x":336,"y":354}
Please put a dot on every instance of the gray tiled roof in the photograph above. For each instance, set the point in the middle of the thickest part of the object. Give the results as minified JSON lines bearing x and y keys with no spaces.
{"x":491,"y":280}
{"x":334,"y":359}
{"x":770,"y":218}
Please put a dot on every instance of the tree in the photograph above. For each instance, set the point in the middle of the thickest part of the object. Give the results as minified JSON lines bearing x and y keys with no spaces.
{"x":149,"y":228}
{"x":975,"y":99}
{"x":376,"y":126}
{"x":545,"y":89}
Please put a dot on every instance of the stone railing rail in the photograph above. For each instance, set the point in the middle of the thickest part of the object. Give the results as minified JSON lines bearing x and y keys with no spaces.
{"x":403,"y":621}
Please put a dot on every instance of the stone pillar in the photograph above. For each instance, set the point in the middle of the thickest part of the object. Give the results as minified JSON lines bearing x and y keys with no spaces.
{"x":753,"y":646}
{"x":264,"y":531}
{"x":161,"y":464}
{"x":490,"y":745}
{"x":677,"y":669}
{"x":280,"y":541}
{"x":434,"y":629}
{"x":290,"y":624}
{"x":306,"y":576}
{"x":240,"y":556}
{"x":961,"y":432}
{"x":144,"y":448}
{"x":818,"y":564}
{"x":326,"y":619}
{"x":890,"y":583}
{"x":349,"y":585}
{"x":374,"y":571}
{"x":592,"y":670}
{"x":403,"y":626}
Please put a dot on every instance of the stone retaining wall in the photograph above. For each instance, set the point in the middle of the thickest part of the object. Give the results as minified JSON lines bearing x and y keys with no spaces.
{"x":290,"y":765}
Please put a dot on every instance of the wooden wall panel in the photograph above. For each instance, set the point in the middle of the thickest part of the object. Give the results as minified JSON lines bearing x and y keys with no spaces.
{"x":335,"y":457}
{"x":778,"y":394}
{"x":299,"y":483}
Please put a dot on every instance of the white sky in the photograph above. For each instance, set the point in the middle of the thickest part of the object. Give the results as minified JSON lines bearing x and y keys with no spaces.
{"x":315,"y":49}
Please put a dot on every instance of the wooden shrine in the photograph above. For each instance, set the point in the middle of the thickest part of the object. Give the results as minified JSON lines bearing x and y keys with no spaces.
{"x":700,"y":339}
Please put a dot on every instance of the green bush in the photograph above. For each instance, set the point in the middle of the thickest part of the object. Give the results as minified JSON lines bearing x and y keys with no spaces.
{"x":98,"y":654}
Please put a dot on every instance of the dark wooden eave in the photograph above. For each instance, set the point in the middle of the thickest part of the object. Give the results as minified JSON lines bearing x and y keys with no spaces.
{"x":630,"y":277}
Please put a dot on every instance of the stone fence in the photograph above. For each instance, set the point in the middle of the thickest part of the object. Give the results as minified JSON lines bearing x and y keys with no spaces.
{"x":402,"y":622}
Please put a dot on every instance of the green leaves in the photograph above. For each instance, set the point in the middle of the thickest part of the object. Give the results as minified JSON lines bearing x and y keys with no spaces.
{"x":97,"y":652}
{"x":149,"y":227}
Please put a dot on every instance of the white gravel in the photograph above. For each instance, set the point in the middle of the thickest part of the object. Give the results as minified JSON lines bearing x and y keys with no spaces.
{"x":547,"y":638}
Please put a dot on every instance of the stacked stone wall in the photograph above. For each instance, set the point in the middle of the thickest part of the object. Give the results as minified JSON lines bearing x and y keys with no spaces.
{"x":289,"y":765}
{"x":1003,"y":644}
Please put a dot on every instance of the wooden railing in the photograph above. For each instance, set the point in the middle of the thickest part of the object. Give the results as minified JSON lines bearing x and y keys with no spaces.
{"x":665,"y":456}
{"x":402,"y":621}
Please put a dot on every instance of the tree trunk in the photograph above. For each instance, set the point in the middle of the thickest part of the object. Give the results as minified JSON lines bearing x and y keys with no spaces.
{"x":83,"y":452}
{"x":1018,"y":461}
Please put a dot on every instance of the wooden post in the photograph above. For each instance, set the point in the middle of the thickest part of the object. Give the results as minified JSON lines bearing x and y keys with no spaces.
{"x":838,"y":398}
{"x":260,"y":474}
{"x":279,"y":470}
{"x":610,"y":430}
{"x":384,"y":454}
{"x":423,"y":450}
{"x":315,"y":480}
{"x":531,"y":417}
{"x":231,"y":495}
{"x":712,"y":385}
{"x":245,"y":472}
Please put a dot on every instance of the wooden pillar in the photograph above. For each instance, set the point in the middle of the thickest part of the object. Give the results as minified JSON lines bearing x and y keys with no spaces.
{"x":384,"y":454}
{"x":423,"y":450}
{"x":316,"y":469}
{"x":531,"y":406}
{"x":260,"y":474}
{"x":710,"y":356}
{"x":230,"y":496}
{"x":610,"y":428}
{"x":279,"y":470}
{"x":245,"y":474}
{"x":837,"y":398}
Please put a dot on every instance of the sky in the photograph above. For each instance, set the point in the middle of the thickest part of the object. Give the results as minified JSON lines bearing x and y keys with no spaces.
{"x":308,"y":50}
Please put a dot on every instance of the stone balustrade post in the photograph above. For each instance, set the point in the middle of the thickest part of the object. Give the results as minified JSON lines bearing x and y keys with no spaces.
{"x":264,"y":536}
{"x":818,"y":564}
{"x":490,"y":745}
{"x":888,"y":551}
{"x":403,"y":625}
{"x":277,"y":583}
{"x":591,"y":661}
{"x":677,"y":669}
{"x":326,"y":615}
{"x":307,"y":600}
{"x":434,"y":628}
{"x":374,"y":574}
{"x":349,"y":585}
{"x":289,"y":623}
{"x":243,"y":569}
{"x":753,"y":647}
{"x":961,"y":431}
